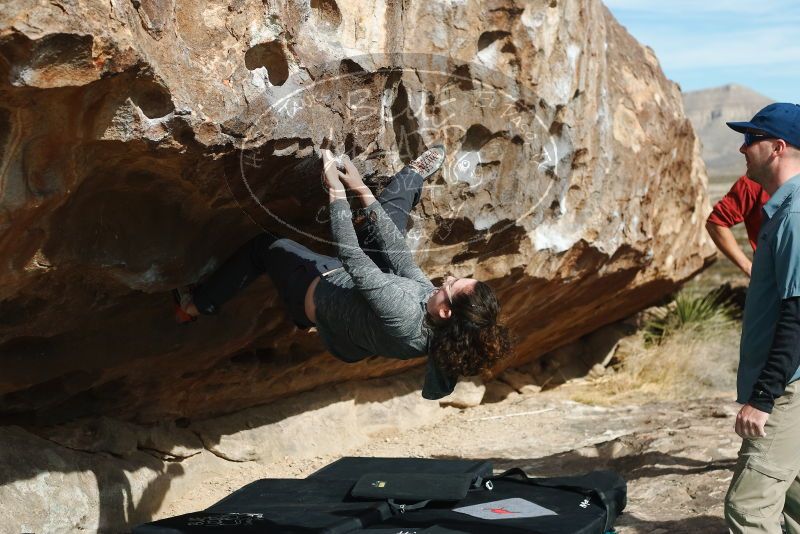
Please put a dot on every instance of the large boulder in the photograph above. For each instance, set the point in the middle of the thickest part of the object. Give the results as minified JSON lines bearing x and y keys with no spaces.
{"x":142,"y":142}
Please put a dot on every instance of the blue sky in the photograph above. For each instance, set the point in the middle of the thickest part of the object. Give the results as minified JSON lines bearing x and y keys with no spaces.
{"x":703,"y":44}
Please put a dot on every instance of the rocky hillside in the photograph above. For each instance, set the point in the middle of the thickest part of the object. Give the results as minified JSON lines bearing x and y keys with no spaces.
{"x":142,"y":142}
{"x":708,"y":110}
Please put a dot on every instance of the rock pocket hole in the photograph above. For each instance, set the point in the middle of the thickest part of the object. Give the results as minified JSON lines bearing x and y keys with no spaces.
{"x":488,"y":38}
{"x":477,"y":136}
{"x":272,"y":57}
{"x":153,"y":99}
{"x":327,"y":12}
{"x":463,"y":78}
{"x":348,"y":66}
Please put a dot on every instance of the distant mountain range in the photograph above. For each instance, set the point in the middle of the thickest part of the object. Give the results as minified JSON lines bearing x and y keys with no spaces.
{"x":708,"y":110}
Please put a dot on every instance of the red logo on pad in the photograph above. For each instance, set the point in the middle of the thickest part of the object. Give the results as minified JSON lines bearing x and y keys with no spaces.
{"x":501,"y":511}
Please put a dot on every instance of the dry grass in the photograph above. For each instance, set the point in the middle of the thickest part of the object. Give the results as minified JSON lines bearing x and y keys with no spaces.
{"x":695,"y":359}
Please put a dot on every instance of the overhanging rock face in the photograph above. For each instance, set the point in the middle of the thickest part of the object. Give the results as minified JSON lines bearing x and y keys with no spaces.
{"x":142,"y":142}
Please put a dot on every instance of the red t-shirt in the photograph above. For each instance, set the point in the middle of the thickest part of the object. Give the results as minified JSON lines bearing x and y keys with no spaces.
{"x":742,"y":203}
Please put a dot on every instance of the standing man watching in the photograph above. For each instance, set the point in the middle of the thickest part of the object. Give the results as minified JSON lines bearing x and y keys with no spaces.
{"x":743,"y":203}
{"x":765,"y":481}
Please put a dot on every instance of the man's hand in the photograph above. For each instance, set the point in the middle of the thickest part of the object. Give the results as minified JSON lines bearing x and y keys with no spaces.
{"x":750,"y":422}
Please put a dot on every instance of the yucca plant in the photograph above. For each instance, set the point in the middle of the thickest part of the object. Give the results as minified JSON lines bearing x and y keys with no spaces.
{"x":689,"y":311}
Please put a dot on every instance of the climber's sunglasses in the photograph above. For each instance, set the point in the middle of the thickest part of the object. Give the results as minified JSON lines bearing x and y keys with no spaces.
{"x":751,"y":137}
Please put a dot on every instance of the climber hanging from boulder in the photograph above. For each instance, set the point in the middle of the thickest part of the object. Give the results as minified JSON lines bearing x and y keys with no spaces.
{"x":373,"y":299}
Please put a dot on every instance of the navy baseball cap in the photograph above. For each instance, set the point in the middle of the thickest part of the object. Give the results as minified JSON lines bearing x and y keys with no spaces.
{"x":779,"y":120}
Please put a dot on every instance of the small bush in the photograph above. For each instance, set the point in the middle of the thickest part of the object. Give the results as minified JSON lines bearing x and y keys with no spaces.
{"x":710,"y":311}
{"x":688,"y":348}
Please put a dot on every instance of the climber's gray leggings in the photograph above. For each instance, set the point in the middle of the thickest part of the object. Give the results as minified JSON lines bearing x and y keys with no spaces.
{"x":292,"y":266}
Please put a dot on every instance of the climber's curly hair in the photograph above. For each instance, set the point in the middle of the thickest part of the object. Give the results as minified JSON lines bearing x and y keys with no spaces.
{"x":471,"y":341}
